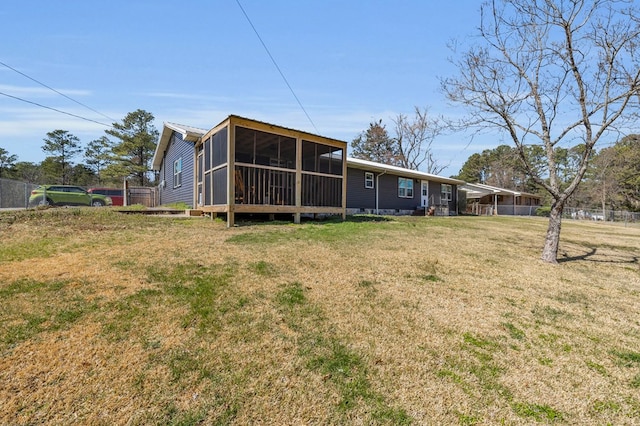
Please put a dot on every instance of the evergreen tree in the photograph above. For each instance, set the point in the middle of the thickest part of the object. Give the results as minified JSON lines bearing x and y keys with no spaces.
{"x":62,"y":146}
{"x":98,"y":156}
{"x":28,"y":172}
{"x":7,"y":161}
{"x":133,"y":153}
{"x":623,"y":172}
{"x":374,"y":144}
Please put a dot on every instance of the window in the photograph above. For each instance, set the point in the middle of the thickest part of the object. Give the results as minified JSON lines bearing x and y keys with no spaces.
{"x":405,"y":188}
{"x":177,"y":173}
{"x":368,"y":180}
{"x":446,"y":193}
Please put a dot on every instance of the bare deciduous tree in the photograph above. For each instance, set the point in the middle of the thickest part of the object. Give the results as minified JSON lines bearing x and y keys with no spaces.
{"x":414,"y":138}
{"x":552,"y":72}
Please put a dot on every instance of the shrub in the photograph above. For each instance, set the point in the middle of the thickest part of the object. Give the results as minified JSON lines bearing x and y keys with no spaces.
{"x":543,"y":211}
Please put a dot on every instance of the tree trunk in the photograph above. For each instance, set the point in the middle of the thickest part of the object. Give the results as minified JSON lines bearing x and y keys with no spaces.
{"x":552,"y":240}
{"x":604,"y":200}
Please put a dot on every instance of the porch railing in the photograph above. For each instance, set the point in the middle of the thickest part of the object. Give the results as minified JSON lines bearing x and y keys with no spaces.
{"x":264,"y":185}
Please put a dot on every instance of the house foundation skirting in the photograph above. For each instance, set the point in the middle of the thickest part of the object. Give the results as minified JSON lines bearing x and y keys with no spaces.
{"x":383,"y":212}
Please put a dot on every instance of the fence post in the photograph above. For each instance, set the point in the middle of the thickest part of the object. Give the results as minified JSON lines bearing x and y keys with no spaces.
{"x":125,"y":199}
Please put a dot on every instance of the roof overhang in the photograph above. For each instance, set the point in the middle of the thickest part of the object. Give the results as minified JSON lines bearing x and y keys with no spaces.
{"x":372,"y":166}
{"x":479,"y":190}
{"x":189,"y":134}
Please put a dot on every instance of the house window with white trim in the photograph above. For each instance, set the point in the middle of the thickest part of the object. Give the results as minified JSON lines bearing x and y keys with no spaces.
{"x":177,"y":173}
{"x":446,"y":192}
{"x":405,"y":188}
{"x":368,"y":180}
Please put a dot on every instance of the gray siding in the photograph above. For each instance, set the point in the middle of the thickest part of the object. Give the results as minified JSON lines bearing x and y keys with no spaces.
{"x":435,"y":190}
{"x":359,"y":197}
{"x":388,"y":193}
{"x":184,"y":193}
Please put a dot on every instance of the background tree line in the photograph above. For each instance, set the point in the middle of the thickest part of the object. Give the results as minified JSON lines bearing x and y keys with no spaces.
{"x":125,"y":152}
{"x":612,"y":178}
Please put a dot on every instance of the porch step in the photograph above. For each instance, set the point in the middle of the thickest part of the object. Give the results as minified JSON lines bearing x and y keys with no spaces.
{"x":418,"y":212}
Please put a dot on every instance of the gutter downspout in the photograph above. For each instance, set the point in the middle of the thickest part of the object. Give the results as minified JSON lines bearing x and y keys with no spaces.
{"x":377,"y":189}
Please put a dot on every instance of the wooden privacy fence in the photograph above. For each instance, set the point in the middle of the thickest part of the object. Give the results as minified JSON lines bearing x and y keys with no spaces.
{"x":145,"y":196}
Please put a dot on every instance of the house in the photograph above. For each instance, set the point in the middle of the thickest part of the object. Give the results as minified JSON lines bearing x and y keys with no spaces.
{"x":383,"y":189}
{"x":244,"y":166}
{"x":174,"y":160}
{"x":490,"y":200}
{"x":247,"y":166}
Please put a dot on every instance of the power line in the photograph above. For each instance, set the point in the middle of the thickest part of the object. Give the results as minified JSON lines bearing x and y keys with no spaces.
{"x":56,"y":91}
{"x":277,"y":67}
{"x":56,"y":110}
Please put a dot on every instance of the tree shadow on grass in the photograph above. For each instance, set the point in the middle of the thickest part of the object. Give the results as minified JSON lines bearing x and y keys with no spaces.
{"x":591,"y":254}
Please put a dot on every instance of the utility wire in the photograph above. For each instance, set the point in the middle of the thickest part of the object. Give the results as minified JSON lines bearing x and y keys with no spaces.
{"x":56,"y":91}
{"x":276,"y":65}
{"x":54,"y":109}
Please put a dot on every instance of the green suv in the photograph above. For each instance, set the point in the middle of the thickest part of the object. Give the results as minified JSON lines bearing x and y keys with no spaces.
{"x":66,"y":195}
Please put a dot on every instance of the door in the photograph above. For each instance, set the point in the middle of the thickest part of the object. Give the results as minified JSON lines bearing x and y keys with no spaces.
{"x":424,"y":193}
{"x":74,"y":196}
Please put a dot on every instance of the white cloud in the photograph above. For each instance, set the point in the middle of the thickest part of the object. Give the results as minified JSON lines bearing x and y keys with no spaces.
{"x":174,"y":95}
{"x":22,"y":129}
{"x":39,"y":91}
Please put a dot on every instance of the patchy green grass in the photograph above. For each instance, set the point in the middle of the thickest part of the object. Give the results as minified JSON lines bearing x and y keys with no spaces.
{"x":514,"y":331}
{"x":628,"y":358}
{"x":379,"y":321}
{"x":540,"y":413}
{"x":352,"y":231}
{"x":43,"y":307}
{"x":597,"y":367}
{"x":41,"y":247}
{"x":327,"y":354}
{"x":263,"y":268}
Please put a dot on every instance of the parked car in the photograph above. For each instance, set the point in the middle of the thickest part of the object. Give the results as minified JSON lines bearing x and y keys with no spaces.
{"x":116,"y":195}
{"x":66,"y":195}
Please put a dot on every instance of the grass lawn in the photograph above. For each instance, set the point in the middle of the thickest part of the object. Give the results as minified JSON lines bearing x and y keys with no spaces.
{"x":123,"y":319}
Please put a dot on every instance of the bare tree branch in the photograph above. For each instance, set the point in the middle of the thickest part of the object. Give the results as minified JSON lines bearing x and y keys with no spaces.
{"x":414,"y":138}
{"x":552,"y":74}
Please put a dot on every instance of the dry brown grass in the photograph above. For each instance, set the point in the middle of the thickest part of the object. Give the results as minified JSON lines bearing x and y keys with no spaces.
{"x":109,"y":319}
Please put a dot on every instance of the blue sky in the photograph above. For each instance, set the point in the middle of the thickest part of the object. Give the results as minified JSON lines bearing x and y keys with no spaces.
{"x":196,"y":62}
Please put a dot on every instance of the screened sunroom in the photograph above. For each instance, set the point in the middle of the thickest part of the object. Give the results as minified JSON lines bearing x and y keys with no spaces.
{"x":247,"y":166}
